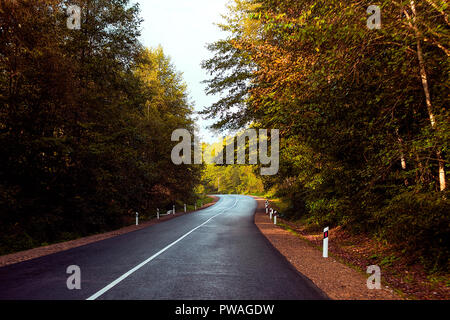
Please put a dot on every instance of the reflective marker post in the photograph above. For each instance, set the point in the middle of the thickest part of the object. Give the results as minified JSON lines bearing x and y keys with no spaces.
{"x":271,"y":212}
{"x":137,"y":218}
{"x":275,"y":218}
{"x":157,"y":213}
{"x":185,"y":208}
{"x":173,"y":211}
{"x":325,"y":242}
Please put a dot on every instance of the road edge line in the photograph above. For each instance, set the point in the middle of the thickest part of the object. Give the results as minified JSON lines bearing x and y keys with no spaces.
{"x":125,"y":275}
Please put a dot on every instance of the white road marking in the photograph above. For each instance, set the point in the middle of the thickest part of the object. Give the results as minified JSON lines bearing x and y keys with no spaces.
{"x":125,"y":275}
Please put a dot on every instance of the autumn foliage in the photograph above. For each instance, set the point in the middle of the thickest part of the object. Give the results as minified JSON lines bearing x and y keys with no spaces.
{"x":362,"y":112}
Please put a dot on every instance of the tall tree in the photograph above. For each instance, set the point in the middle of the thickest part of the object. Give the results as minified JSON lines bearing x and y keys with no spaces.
{"x":353,"y":106}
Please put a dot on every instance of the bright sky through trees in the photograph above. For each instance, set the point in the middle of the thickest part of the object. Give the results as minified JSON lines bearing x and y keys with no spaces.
{"x":183,"y":28}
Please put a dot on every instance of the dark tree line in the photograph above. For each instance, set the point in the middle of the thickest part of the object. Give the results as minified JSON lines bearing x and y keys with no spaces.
{"x":86,"y":118}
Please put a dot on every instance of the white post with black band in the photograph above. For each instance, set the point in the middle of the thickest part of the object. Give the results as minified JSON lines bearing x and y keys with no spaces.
{"x":325,"y":242}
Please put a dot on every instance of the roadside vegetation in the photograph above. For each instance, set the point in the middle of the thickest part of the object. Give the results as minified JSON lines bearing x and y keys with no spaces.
{"x":229,"y":179}
{"x":86,"y":118}
{"x":362,"y":113}
{"x":407,"y":278}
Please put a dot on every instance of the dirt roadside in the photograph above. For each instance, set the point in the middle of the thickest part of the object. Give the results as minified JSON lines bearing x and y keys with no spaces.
{"x":337,"y":280}
{"x":62,"y":246}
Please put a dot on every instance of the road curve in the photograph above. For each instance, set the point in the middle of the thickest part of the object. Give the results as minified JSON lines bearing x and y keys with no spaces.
{"x":214,"y":254}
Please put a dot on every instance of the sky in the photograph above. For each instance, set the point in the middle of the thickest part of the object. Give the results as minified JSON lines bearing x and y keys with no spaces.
{"x":183,"y":28}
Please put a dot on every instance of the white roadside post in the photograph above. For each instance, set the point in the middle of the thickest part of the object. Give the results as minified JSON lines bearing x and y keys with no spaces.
{"x":325,"y":242}
{"x":185,"y":208}
{"x":157,"y":213}
{"x":195,"y":207}
{"x":275,"y":218}
{"x":137,"y":218}
{"x":271,"y":212}
{"x":173,"y":210}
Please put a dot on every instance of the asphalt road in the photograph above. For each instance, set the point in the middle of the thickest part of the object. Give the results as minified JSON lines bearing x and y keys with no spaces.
{"x":215,"y":254}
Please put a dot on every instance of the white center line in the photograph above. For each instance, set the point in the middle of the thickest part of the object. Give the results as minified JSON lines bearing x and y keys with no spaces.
{"x":125,"y":275}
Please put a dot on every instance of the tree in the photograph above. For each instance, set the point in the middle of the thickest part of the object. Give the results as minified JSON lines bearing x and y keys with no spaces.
{"x":349,"y":103}
{"x":85,"y":122}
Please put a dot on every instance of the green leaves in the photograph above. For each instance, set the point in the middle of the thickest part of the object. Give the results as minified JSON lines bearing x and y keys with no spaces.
{"x":85,"y":122}
{"x":348,"y":100}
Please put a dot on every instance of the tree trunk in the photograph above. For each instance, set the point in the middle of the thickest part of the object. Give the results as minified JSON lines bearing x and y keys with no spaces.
{"x":402,"y":155}
{"x":424,"y":77}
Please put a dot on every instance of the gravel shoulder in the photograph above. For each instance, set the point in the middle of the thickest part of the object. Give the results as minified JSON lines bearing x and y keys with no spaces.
{"x":337,"y":280}
{"x":62,"y":246}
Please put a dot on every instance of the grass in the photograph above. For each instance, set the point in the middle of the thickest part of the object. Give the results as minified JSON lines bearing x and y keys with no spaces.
{"x":388,"y":261}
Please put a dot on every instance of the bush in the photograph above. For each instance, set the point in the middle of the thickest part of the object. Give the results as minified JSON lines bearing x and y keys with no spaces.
{"x":16,"y":242}
{"x":420,"y":223}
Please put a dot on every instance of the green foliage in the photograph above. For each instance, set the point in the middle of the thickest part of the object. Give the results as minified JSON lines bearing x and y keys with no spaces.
{"x":388,"y":261}
{"x":359,"y":146}
{"x":85,"y":122}
{"x":231,"y":179}
{"x":228,"y":178}
{"x":421,"y":224}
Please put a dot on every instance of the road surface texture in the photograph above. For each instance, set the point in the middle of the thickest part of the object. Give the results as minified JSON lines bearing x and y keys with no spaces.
{"x":214,"y":254}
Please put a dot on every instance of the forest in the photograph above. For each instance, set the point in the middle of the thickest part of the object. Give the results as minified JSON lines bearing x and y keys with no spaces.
{"x":85,"y":123}
{"x":362,"y":112}
{"x":86,"y":117}
{"x":228,"y":178}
